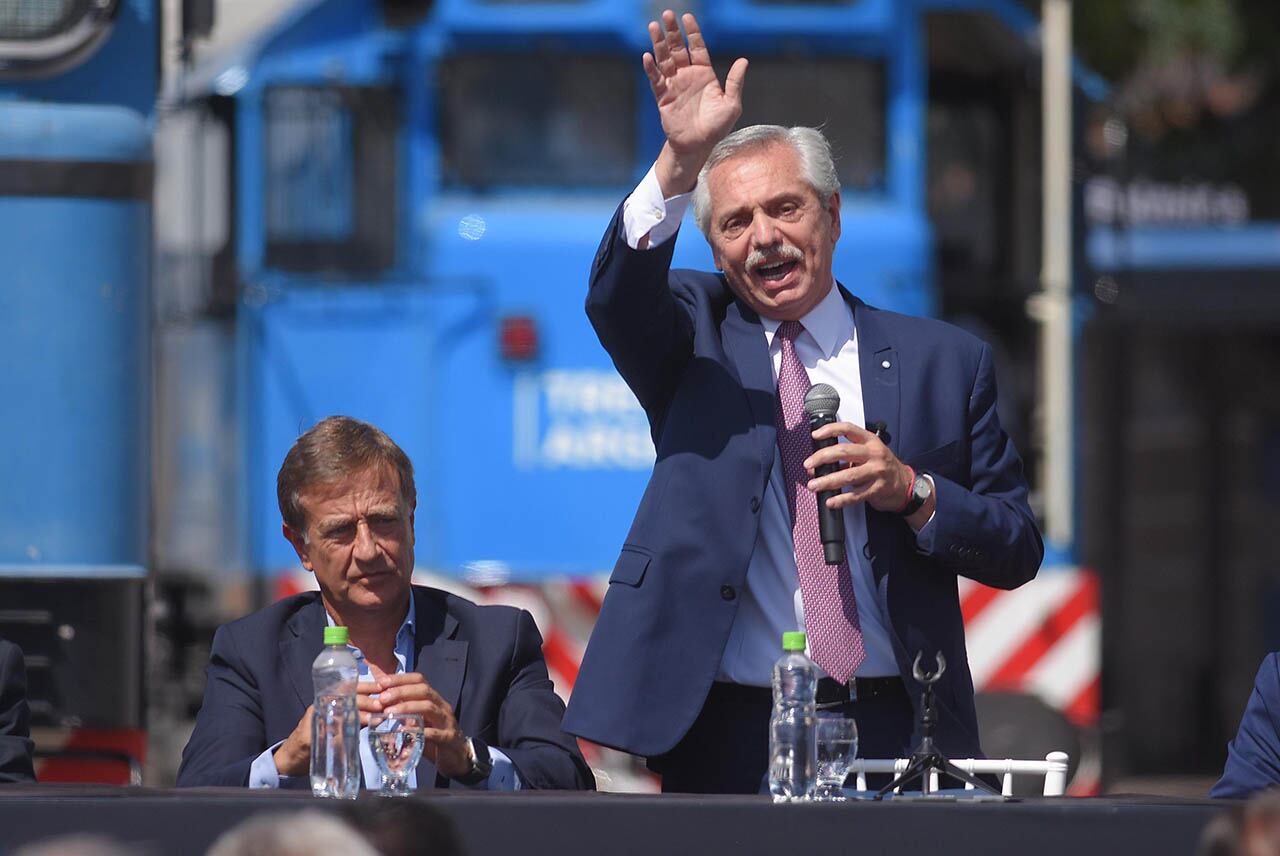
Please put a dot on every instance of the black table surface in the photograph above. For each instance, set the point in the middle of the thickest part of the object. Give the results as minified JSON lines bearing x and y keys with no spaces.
{"x":155,"y":821}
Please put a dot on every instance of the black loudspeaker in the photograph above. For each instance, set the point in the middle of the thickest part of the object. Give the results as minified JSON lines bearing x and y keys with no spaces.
{"x":1014,"y":725}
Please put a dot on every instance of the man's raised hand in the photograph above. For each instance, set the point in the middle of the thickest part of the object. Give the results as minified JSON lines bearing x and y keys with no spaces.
{"x":696,"y":112}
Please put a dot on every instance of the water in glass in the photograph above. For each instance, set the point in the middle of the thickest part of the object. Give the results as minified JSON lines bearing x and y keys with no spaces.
{"x":837,"y":747}
{"x":396,"y":742}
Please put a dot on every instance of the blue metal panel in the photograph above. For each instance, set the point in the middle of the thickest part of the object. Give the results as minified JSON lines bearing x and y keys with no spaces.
{"x":868,"y":19}
{"x":74,"y":333}
{"x":494,"y":21}
{"x":74,"y":132}
{"x":559,"y":451}
{"x":1256,"y":245}
{"x":311,"y":24}
{"x":905,"y":115}
{"x":73,"y":338}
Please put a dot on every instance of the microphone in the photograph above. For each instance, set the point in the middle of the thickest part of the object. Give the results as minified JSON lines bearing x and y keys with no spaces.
{"x":821,"y":403}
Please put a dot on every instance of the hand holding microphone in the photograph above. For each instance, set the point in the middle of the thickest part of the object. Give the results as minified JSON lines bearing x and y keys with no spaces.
{"x":868,"y":470}
{"x":822,"y":402}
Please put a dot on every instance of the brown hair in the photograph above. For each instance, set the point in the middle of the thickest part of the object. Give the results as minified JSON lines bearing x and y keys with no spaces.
{"x":336,"y":447}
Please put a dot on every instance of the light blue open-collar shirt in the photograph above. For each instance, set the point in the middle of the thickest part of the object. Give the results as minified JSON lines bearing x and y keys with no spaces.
{"x":263,"y":772}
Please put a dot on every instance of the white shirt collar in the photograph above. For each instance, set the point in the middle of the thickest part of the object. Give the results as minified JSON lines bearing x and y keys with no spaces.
{"x":830,"y":323}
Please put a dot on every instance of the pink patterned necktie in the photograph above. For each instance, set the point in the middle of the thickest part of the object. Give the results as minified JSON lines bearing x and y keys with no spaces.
{"x":830,"y":611}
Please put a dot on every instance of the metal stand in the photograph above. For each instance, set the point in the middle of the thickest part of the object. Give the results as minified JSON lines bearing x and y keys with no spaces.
{"x":927,"y":758}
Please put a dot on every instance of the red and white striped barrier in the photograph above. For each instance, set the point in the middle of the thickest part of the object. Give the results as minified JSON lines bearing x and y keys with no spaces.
{"x":1045,"y":639}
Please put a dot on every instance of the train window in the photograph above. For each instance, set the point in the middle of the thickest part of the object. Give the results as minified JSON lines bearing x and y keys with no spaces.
{"x":39,"y":37}
{"x":842,"y":96}
{"x":967,"y":168}
{"x":534,"y":122}
{"x":330,"y":183}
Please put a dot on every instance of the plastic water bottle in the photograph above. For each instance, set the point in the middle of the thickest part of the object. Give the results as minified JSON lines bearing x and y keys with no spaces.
{"x":793,"y":746}
{"x":335,"y":729}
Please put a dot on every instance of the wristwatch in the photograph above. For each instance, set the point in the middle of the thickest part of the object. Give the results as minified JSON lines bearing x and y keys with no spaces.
{"x":481,"y":763}
{"x":921,"y":490}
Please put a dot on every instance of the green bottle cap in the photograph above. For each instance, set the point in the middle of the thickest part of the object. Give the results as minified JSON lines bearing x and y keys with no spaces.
{"x":339,"y":636}
{"x":793,"y":641}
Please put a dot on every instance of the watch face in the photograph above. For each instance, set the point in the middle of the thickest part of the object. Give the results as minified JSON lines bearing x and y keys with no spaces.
{"x":922,"y":489}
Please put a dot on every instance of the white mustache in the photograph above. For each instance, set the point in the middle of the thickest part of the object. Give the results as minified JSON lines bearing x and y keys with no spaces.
{"x":772,"y":255}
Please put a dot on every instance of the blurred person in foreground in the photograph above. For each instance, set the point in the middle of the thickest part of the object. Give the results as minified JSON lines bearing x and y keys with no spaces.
{"x":1253,"y":756}
{"x":476,"y":673}
{"x":1223,"y":834}
{"x":724,"y":554}
{"x":77,"y":844}
{"x":15,"y":717}
{"x":1260,"y":825}
{"x":404,"y":827}
{"x":303,"y":833}
{"x":1251,"y":828}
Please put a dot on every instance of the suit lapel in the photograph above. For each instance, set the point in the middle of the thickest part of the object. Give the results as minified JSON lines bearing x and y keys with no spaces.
{"x":299,"y":647}
{"x":747,"y":349}
{"x":441,"y":659}
{"x":878,"y":371}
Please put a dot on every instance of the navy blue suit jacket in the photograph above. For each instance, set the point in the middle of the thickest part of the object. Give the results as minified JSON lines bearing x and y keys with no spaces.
{"x":486,"y":661}
{"x":697,"y":359}
{"x":15,"y":734}
{"x":1253,"y":757}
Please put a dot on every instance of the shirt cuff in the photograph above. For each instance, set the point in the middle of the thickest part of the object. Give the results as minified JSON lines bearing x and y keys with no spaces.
{"x":503,"y":776}
{"x":646,"y":213}
{"x":263,"y":772}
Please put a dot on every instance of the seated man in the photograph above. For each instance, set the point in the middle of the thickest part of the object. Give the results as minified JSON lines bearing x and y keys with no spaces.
{"x":15,"y":734}
{"x":475,"y":673}
{"x":1253,"y":757}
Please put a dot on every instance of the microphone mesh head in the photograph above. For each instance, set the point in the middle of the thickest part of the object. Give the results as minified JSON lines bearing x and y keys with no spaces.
{"x":821,"y":398}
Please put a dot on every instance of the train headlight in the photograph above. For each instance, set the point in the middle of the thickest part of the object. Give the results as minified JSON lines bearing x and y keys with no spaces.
{"x":43,"y":37}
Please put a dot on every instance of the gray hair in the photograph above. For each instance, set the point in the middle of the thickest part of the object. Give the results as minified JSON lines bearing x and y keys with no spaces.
{"x":809,"y":144}
{"x":301,"y":834}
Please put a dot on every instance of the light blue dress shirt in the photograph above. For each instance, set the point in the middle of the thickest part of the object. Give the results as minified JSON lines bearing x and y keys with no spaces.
{"x":263,"y":772}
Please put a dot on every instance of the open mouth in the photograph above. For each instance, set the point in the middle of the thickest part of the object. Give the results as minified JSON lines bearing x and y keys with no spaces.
{"x":776,"y":271}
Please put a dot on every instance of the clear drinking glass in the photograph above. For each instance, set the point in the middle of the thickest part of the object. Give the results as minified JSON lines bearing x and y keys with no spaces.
{"x":396,"y":742}
{"x":837,"y":747}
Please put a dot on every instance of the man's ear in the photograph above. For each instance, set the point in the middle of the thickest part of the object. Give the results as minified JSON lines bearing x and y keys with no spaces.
{"x":833,"y":211}
{"x":299,"y":542}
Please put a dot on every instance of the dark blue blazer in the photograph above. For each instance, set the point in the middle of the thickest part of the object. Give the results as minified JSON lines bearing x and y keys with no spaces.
{"x":697,"y":359}
{"x":1253,"y":757}
{"x":486,"y":661}
{"x":15,"y":716}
